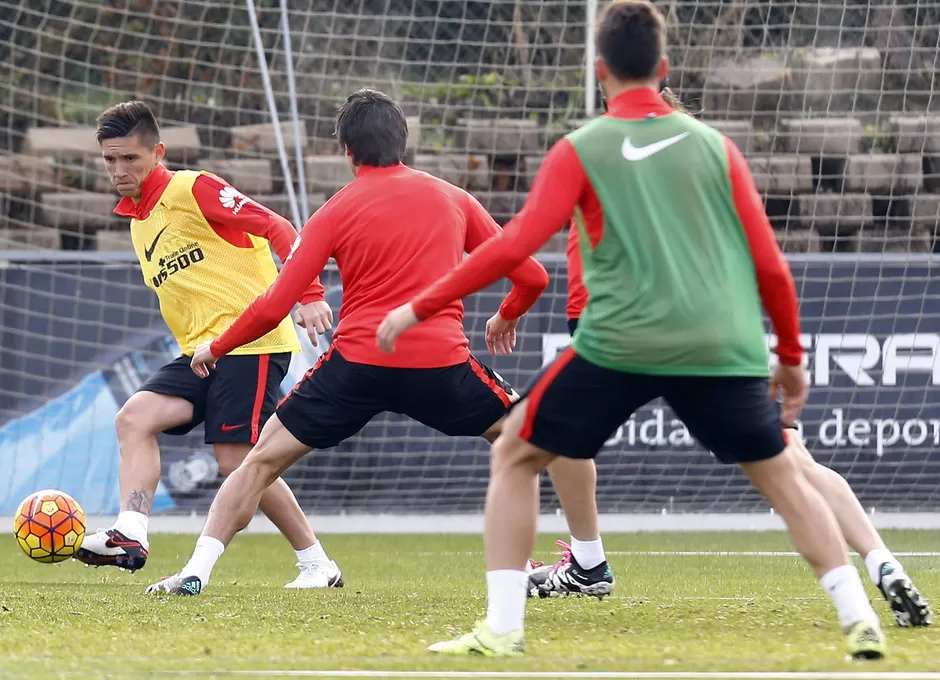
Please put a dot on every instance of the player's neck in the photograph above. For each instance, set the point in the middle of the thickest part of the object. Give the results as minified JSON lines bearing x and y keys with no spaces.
{"x":614,"y":89}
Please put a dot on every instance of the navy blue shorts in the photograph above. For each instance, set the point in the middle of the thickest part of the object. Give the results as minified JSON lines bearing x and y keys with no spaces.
{"x":234,"y":402}
{"x":337,"y":398}
{"x":575,"y":406}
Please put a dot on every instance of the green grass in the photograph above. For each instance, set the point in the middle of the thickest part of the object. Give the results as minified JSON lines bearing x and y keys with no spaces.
{"x":669,"y":613}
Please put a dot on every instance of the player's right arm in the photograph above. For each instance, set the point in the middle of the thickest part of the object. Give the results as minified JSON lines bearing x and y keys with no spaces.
{"x":529,"y":279}
{"x":556,"y":192}
{"x":311,"y":252}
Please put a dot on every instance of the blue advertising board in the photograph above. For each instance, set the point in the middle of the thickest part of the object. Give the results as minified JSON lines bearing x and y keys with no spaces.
{"x":871,"y":329}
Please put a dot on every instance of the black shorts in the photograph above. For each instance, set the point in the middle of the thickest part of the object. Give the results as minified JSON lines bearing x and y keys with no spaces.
{"x":336,"y":398}
{"x":572,"y":326}
{"x":235,"y":400}
{"x":575,"y":406}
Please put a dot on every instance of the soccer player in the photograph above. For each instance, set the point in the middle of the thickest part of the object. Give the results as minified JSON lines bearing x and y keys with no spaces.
{"x":203,"y":249}
{"x":392,"y":231}
{"x":583,"y":567}
{"x":910,"y":608}
{"x":678,"y":255}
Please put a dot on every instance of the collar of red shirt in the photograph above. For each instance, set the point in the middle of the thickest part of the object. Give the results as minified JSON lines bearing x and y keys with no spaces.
{"x":366,"y":169}
{"x":150,"y":192}
{"x":638,"y":103}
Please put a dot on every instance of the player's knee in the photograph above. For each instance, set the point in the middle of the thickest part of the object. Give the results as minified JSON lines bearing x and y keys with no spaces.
{"x":147,"y":413}
{"x":134,"y":418}
{"x":230,"y":456}
{"x":228,"y":464}
{"x":511,"y":451}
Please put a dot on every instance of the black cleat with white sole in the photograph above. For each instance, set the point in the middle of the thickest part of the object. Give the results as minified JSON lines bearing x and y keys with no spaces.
{"x":111,"y":548}
{"x":567,"y":577}
{"x":908,"y":605}
{"x":177,"y":585}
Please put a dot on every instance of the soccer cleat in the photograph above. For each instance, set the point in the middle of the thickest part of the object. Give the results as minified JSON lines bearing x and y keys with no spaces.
{"x":538,"y":571}
{"x":908,"y":605}
{"x":484,"y":642}
{"x":866,"y":641}
{"x":176,"y":585}
{"x":567,"y":577}
{"x":317,"y":575}
{"x":111,"y":548}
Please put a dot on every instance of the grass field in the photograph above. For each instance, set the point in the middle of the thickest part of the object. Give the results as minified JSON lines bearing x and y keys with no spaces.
{"x":670,"y":612}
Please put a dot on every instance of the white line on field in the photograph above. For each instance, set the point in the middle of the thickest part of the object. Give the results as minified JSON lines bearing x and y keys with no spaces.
{"x":683,"y":553}
{"x":575,"y":675}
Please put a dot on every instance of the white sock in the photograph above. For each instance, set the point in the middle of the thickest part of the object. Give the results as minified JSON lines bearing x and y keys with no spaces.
{"x":588,"y":554}
{"x":133,"y":525}
{"x":844,"y":586}
{"x":875,"y":559}
{"x":314,"y":553}
{"x":208,"y":551}
{"x":505,"y":596}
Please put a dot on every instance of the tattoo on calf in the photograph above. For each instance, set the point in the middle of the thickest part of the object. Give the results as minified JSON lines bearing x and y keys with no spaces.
{"x":138,"y":501}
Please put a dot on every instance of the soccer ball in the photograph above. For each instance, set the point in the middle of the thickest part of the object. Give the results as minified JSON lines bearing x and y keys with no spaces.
{"x":49,"y":526}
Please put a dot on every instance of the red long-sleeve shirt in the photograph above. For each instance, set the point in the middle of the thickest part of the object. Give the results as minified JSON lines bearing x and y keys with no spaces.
{"x":561,"y":185}
{"x":393,"y":232}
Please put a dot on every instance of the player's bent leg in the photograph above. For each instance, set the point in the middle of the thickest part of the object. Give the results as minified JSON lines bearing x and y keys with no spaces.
{"x":910,"y":608}
{"x":279,"y":504}
{"x":815,"y":534}
{"x":509,"y":538}
{"x":143,"y":416}
{"x":235,"y":504}
{"x":575,"y":482}
{"x":734,"y":418}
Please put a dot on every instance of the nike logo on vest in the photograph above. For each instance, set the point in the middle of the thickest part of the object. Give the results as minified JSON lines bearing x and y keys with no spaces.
{"x":638,"y":153}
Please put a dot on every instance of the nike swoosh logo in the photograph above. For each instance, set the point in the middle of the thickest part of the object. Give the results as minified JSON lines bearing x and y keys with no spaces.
{"x":229,"y":428}
{"x":148,"y":252}
{"x":638,"y":153}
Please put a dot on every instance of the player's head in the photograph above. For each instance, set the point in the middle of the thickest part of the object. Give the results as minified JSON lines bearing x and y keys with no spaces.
{"x":129,"y":138}
{"x":371,"y":129}
{"x":631,"y":46}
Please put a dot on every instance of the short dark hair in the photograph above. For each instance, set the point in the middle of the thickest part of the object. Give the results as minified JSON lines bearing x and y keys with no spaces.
{"x":373,"y":127}
{"x":631,"y":38}
{"x":126,"y":119}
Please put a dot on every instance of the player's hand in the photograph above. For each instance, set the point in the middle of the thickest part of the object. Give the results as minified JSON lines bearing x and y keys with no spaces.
{"x":791,"y":382}
{"x":501,"y":334}
{"x":203,"y":360}
{"x":316,"y":318}
{"x":395,"y":323}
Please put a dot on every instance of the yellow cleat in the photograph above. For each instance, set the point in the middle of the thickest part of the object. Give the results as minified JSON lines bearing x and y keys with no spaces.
{"x":866,"y":641}
{"x":484,"y":642}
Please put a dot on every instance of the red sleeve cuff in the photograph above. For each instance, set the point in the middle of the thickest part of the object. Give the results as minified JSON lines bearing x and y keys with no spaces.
{"x":312,"y":296}
{"x":218,"y":349}
{"x":789,"y":356}
{"x":422,"y":308}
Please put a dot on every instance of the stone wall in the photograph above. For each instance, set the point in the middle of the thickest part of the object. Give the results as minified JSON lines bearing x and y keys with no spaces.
{"x":833,"y":103}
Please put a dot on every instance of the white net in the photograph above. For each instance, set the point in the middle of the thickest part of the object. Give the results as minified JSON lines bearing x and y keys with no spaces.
{"x":832,"y":102}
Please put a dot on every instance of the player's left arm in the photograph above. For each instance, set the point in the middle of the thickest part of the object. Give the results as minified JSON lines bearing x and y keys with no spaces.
{"x":311,"y":253}
{"x":774,"y":279}
{"x":556,"y":192}
{"x":252,"y":218}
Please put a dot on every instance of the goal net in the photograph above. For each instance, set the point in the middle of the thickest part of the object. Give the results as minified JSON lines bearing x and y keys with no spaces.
{"x":833,"y":102}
